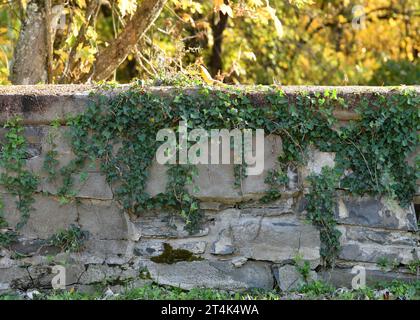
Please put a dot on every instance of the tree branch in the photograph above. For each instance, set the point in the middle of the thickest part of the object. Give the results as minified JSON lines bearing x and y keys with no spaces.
{"x":108,"y":59}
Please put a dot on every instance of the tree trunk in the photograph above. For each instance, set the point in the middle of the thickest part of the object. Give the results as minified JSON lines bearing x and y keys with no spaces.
{"x":30,"y":56}
{"x":216,"y":62}
{"x":108,"y":59}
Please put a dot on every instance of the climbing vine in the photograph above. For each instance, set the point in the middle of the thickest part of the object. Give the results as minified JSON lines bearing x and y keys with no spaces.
{"x":15,"y":177}
{"x":321,"y":202}
{"x":119,"y":128}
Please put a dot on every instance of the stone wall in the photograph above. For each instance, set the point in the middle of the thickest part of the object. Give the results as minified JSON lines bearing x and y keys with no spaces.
{"x":242,"y":243}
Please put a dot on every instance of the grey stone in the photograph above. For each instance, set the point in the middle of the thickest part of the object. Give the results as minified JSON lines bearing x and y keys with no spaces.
{"x":99,"y":274}
{"x":102,"y":219}
{"x":370,"y":245}
{"x":239,"y":261}
{"x":288,"y":278}
{"x":94,"y":186}
{"x":374,"y":252}
{"x":215,"y":183}
{"x":216,"y":275}
{"x":154,"y":224}
{"x":32,"y":247}
{"x":148,"y":248}
{"x":316,"y":161}
{"x":223,"y":245}
{"x":47,"y":218}
{"x":13,"y":275}
{"x":196,"y":247}
{"x":100,"y":249}
{"x":342,"y":277}
{"x":376,"y":213}
{"x":280,"y":207}
{"x":276,"y":239}
{"x":157,"y":179}
{"x":213,"y":206}
{"x":381,"y":237}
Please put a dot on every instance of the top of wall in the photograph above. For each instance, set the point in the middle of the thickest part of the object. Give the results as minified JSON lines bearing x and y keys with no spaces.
{"x":41,"y":104}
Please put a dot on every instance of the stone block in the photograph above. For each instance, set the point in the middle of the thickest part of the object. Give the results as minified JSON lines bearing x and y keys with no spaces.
{"x":276,"y":239}
{"x":375,"y":213}
{"x":47,"y":218}
{"x":288,"y":278}
{"x":102,"y":219}
{"x":216,"y":275}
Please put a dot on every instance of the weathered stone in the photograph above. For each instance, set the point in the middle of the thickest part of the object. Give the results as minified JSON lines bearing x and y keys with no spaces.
{"x":102,"y":219}
{"x":47,"y":218}
{"x":104,"y":248}
{"x":277,"y":239}
{"x":382,"y":237}
{"x":105,"y":273}
{"x":116,"y":260}
{"x":32,"y":247}
{"x":374,"y":253}
{"x":130,"y":285}
{"x":223,"y":245}
{"x":342,"y":277}
{"x":164,"y":225}
{"x":148,"y":248}
{"x":93,"y":186}
{"x":216,"y":182}
{"x":282,"y":206}
{"x":157,"y":180}
{"x":288,"y":278}
{"x":212,"y":206}
{"x":239,"y":261}
{"x":316,"y":161}
{"x":217,"y":275}
{"x":376,"y":213}
{"x":14,"y":276}
{"x":196,"y":247}
{"x":59,"y":137}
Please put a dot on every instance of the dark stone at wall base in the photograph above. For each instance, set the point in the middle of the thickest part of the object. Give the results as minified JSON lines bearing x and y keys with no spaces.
{"x":376,"y":213}
{"x":342,"y":277}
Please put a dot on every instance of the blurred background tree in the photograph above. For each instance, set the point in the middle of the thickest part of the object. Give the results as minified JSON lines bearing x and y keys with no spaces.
{"x":239,"y":41}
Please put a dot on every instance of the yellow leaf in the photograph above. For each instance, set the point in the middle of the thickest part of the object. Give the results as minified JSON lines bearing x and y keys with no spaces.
{"x":250,"y":55}
{"x":255,"y":3}
{"x":225,"y":9}
{"x":341,"y":19}
{"x":277,"y":23}
{"x":81,"y":3}
{"x":206,"y":75}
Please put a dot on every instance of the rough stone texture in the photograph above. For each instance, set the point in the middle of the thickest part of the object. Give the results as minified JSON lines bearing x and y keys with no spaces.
{"x":103,"y":219}
{"x":372,"y":245}
{"x":163,"y":225}
{"x":288,"y":278}
{"x":206,"y":274}
{"x":342,"y":277}
{"x":277,"y":239}
{"x":381,"y":213}
{"x":48,"y":216}
{"x":243,"y":243}
{"x":316,"y":161}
